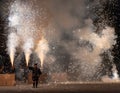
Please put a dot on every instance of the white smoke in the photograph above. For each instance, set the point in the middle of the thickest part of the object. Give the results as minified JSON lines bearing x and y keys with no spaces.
{"x":100,"y":43}
{"x":105,"y":40}
{"x":89,"y":54}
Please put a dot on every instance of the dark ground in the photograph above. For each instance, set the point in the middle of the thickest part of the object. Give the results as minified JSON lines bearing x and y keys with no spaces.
{"x":64,"y":88}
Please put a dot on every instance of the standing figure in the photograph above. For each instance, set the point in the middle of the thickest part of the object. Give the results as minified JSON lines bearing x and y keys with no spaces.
{"x":36,"y":72}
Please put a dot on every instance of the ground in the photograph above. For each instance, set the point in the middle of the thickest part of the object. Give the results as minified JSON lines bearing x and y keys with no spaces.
{"x":94,"y":87}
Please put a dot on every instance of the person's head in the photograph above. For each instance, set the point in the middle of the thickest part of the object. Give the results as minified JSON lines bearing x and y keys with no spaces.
{"x":35,"y":65}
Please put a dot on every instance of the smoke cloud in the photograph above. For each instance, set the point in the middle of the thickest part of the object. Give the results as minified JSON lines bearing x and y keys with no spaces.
{"x":75,"y":43}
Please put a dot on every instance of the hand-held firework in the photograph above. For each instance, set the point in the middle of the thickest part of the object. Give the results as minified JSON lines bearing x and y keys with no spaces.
{"x":28,"y":47}
{"x":42,"y":49}
{"x":27,"y":18}
{"x":12,"y":43}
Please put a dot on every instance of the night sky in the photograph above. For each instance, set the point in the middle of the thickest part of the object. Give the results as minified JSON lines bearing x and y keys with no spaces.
{"x":108,"y":10}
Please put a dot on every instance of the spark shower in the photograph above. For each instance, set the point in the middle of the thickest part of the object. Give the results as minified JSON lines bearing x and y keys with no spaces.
{"x":25,"y":31}
{"x":71,"y":40}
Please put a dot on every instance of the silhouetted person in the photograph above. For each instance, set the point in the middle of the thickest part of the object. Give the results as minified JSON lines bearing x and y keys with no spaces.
{"x":36,"y":72}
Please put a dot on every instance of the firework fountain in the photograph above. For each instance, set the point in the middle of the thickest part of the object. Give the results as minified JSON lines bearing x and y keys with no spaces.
{"x":28,"y":46}
{"x":28,"y":22}
{"x":26,"y":29}
{"x":13,"y":43}
{"x":42,"y":49}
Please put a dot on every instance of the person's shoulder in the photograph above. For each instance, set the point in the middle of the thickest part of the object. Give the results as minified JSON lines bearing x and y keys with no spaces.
{"x":38,"y":68}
